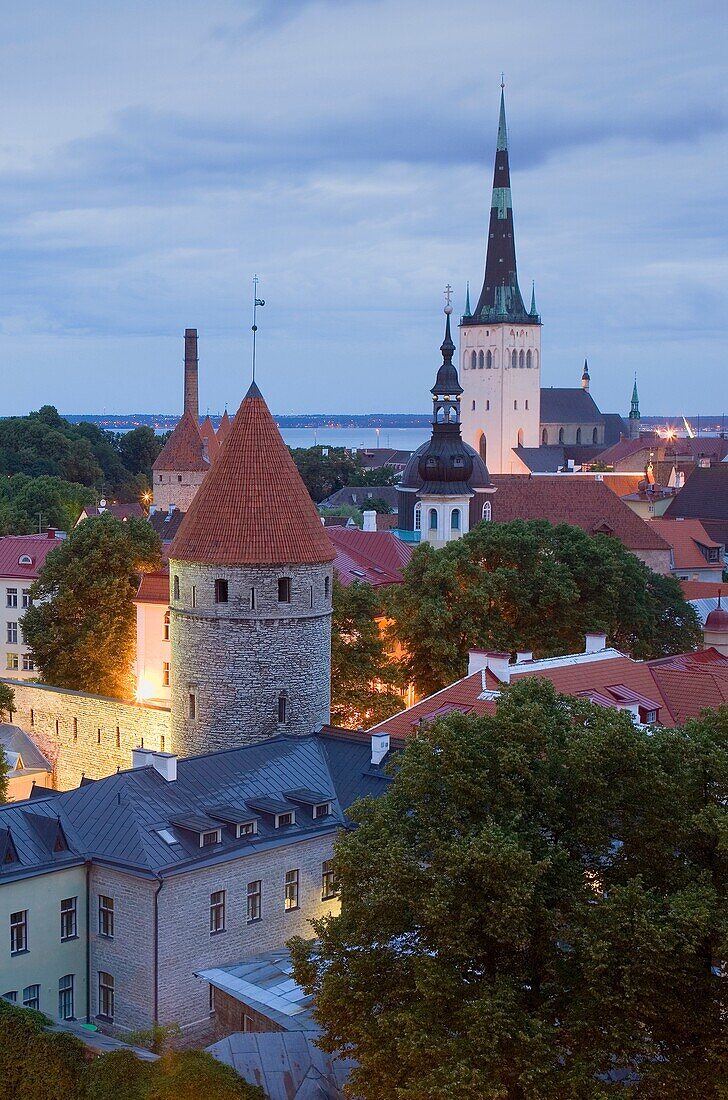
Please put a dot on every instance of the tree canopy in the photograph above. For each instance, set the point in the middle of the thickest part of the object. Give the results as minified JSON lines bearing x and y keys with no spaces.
{"x":81,"y":627}
{"x":28,"y":504}
{"x":363,"y":679}
{"x":535,"y":910}
{"x":532,"y":585}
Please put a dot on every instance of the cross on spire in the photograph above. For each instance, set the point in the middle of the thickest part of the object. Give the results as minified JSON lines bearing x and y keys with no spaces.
{"x":448,"y":299}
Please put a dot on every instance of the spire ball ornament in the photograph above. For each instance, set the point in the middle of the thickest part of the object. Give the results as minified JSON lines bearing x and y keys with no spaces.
{"x":448,"y":299}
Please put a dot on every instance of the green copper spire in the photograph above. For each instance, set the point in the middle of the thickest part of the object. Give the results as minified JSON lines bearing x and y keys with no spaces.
{"x":468,"y":311}
{"x":533,"y":300}
{"x":634,"y":412}
{"x":502,"y":132}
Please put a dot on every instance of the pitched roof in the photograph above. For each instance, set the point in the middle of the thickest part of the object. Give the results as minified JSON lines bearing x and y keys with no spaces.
{"x":207,"y":432}
{"x":223,"y":428}
{"x":288,"y":1065}
{"x":562,"y":405}
{"x":582,"y":502}
{"x":153,"y":587}
{"x":704,"y":494}
{"x":356,"y":496}
{"x":692,"y":682}
{"x":121,"y":511}
{"x":376,"y":557}
{"x":614,"y":427}
{"x":183,"y":450}
{"x":686,"y":536}
{"x":253,"y":508}
{"x":702,"y":590}
{"x":35,"y":547}
{"x":166,"y":524}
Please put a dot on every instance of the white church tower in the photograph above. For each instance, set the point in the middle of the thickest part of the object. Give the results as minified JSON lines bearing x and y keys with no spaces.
{"x":500,"y":342}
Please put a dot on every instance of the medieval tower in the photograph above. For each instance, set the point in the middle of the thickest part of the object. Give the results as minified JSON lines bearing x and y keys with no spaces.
{"x":500,"y":341}
{"x":250,"y":597}
{"x":183,"y":462}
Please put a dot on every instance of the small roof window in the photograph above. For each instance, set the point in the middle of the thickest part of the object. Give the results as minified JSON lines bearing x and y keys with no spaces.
{"x":25,"y":559}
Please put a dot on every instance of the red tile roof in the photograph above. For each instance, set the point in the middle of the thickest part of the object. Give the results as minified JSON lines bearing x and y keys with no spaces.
{"x":252,"y":508}
{"x":223,"y":430}
{"x":582,"y":502}
{"x":183,"y":450}
{"x":685,"y":536}
{"x":691,"y":682}
{"x":703,"y":590}
{"x":375,"y":557}
{"x":154,"y":587}
{"x":207,"y":432}
{"x":14,"y":547}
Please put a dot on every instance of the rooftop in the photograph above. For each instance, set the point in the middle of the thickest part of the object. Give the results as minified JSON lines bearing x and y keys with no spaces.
{"x":184,"y":449}
{"x":686,"y":537}
{"x":22,"y":556}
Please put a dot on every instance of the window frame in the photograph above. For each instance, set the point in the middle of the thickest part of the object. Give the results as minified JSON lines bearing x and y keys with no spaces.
{"x":69,"y":915}
{"x":222,"y":590}
{"x":291,"y":890}
{"x":31,"y":999}
{"x":254,"y":896}
{"x":106,"y":916}
{"x":66,"y":995}
{"x":284,"y":590}
{"x":106,"y":996}
{"x":217,"y":912}
{"x":19,"y":933}
{"x":11,"y":597}
{"x":329,"y":888}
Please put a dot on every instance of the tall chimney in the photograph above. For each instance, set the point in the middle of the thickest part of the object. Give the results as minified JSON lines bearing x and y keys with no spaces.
{"x":192,"y":402}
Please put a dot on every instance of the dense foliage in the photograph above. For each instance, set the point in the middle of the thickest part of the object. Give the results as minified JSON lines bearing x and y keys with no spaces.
{"x":531,"y":585}
{"x":81,"y":627}
{"x":535,"y":910}
{"x":363,"y":679}
{"x":44,"y":444}
{"x":32,"y":504}
{"x":37,"y":1064}
{"x":326,"y":469}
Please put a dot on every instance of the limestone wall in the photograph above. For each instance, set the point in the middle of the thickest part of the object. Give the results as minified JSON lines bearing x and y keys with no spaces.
{"x":86,"y":734}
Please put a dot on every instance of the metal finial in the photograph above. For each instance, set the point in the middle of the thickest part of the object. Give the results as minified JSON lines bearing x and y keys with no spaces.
{"x":256,"y":302}
{"x":448,"y":299}
{"x":503,"y":81}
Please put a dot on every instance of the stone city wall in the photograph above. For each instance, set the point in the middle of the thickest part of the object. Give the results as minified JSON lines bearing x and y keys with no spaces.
{"x":84,"y":734}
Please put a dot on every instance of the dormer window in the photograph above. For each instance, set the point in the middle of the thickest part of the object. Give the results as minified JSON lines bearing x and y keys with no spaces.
{"x":458,"y":460}
{"x":24,"y":559}
{"x":246,"y":828}
{"x":322,"y":809}
{"x":287,"y":818}
{"x":213,"y":836}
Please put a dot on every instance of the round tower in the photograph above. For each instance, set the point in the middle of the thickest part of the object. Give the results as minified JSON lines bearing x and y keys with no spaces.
{"x":250,"y":598}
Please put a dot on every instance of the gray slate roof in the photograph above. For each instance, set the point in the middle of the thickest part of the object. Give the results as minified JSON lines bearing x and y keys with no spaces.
{"x":356,"y":496}
{"x":287,"y":1065}
{"x":568,"y":406}
{"x":166,"y":524}
{"x":119,"y":819}
{"x":614,"y":428}
{"x":33,"y":827}
{"x":15,"y":740}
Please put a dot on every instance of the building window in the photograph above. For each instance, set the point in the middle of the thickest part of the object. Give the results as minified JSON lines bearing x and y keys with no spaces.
{"x":282,"y":709}
{"x":252,"y":599}
{"x":473,"y":360}
{"x":529,"y":359}
{"x":166,"y":626}
{"x":27,"y":602}
{"x":65,"y":997}
{"x":211,"y":999}
{"x":328,"y":880}
{"x":455,"y":519}
{"x":98,"y":736}
{"x":310,"y":596}
{"x":11,"y":662}
{"x":69,"y":926}
{"x":521,"y":359}
{"x":515,"y":405}
{"x":12,"y":634}
{"x":213,"y":836}
{"x":291,"y":891}
{"x":514,"y":358}
{"x":526,"y":405}
{"x":520,"y":437}
{"x":327,"y":587}
{"x":161,"y":742}
{"x":106,"y":916}
{"x":284,"y":590}
{"x":433,"y":519}
{"x":545,"y":438}
{"x":255,"y":907}
{"x":32,"y":717}
{"x":594,"y":436}
{"x":11,"y":995}
{"x":179,"y":477}
{"x":322,"y":809}
{"x":19,"y":932}
{"x":473,"y":406}
{"x":217,"y":911}
{"x":418,"y":517}
{"x":489,"y":359}
{"x":28,"y":663}
{"x":106,"y":995}
{"x":288,"y":818}
{"x":487,"y":508}
{"x":31,"y":997}
{"x":561,"y":435}
{"x":192,"y":705}
{"x":194,"y":595}
{"x":221,"y":591}
{"x":118,"y":738}
{"x":75,"y":728}
{"x":165,"y":674}
{"x":11,"y":597}
{"x":175,"y":588}
{"x":578,"y":435}
{"x":481,"y":360}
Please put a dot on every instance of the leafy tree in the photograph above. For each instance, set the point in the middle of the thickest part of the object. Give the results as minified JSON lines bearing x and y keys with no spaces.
{"x":157,"y":1038}
{"x":81,"y":627}
{"x":363,"y":687}
{"x":381,"y":475}
{"x":377,"y":504}
{"x":536,"y":908}
{"x":7,"y":702}
{"x":17,"y":1028}
{"x":138,"y":450}
{"x":344,"y":510}
{"x":54,"y":1065}
{"x":192,"y":1074}
{"x":118,"y":1075}
{"x":324,"y":469}
{"x":27,"y":501}
{"x":532,"y":585}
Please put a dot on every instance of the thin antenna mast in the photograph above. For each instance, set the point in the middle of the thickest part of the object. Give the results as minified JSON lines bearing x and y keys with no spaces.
{"x":256,"y":302}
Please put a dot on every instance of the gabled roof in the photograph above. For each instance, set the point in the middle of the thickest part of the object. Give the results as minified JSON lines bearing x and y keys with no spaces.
{"x":704,"y":495}
{"x":579,"y":501}
{"x":153,"y":588}
{"x":356,"y":496}
{"x":207,"y":431}
{"x":686,"y":536}
{"x":289,"y":1065}
{"x":121,"y":511}
{"x":375,"y":557}
{"x":568,"y":405}
{"x":166,"y":524}
{"x":253,"y":508}
{"x":15,"y":740}
{"x":35,"y":547}
{"x":223,"y":429}
{"x":184,"y":449}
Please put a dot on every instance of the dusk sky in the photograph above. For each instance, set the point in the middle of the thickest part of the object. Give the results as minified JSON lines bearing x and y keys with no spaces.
{"x":153,"y":156}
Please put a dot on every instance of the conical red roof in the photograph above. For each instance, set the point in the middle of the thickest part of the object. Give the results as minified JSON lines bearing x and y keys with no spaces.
{"x":252,"y":508}
{"x":224,"y":429}
{"x":183,"y":450}
{"x":207,"y":432}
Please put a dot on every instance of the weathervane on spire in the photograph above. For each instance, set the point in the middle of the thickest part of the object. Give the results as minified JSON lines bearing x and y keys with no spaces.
{"x":448,"y":299}
{"x":256,"y":302}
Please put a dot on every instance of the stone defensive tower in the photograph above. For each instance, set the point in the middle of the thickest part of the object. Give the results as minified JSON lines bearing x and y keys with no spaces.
{"x":250,"y":597}
{"x":183,"y":462}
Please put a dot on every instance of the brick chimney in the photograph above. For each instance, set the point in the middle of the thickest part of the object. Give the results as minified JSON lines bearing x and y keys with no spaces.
{"x":192,"y":403}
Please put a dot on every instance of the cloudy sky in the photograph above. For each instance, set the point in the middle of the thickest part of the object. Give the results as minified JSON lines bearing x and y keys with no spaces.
{"x":153,"y":156}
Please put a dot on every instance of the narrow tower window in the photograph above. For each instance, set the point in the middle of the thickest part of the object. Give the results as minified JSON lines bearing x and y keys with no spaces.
{"x":561,"y":435}
{"x":175,"y":588}
{"x":473,"y":406}
{"x":520,"y":437}
{"x":433,"y":519}
{"x":166,"y":625}
{"x":455,"y":519}
{"x":418,"y":517}
{"x":282,"y":708}
{"x":521,"y":359}
{"x":487,"y":511}
{"x":578,"y":435}
{"x":473,"y":360}
{"x":221,"y":591}
{"x":327,"y":587}
{"x":594,"y":436}
{"x":529,"y":359}
{"x":545,"y":438}
{"x":252,"y":599}
{"x":489,"y":359}
{"x":514,"y":358}
{"x":481,"y":360}
{"x":284,"y":590}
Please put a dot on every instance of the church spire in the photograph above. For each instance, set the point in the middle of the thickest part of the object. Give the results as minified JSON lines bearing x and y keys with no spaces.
{"x":500,"y":299}
{"x":468,"y":312}
{"x":634,"y":412}
{"x":585,"y":377}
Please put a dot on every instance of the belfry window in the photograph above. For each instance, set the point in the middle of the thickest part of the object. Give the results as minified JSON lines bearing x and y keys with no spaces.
{"x":481,"y":360}
{"x":418,"y":517}
{"x":521,"y":358}
{"x":514,"y":358}
{"x":594,"y":436}
{"x":578,"y":435}
{"x":433,"y":519}
{"x":529,"y":359}
{"x":489,"y":359}
{"x":455,"y":519}
{"x":473,"y":360}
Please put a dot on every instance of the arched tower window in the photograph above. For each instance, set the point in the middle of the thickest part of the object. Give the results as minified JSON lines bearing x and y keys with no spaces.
{"x":482,"y":447}
{"x":418,"y":517}
{"x":455,"y":519}
{"x":515,"y":406}
{"x":529,"y":358}
{"x":595,"y":436}
{"x":433,"y":519}
{"x":521,"y":358}
{"x":514,"y":358}
{"x":535,"y":358}
{"x":487,"y":510}
{"x":473,"y":360}
{"x":520,"y":437}
{"x":561,"y":435}
{"x":481,"y":360}
{"x":489,"y":359}
{"x":166,"y":626}
{"x":545,"y":438}
{"x":283,"y":708}
{"x":578,"y":435}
